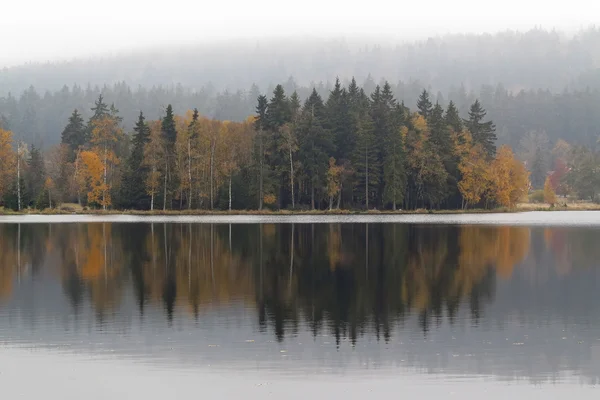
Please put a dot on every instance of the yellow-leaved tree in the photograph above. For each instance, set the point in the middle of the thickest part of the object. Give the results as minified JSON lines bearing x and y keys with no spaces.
{"x":510,"y":178}
{"x":7,"y":161}
{"x":334,"y":181}
{"x":91,"y":178}
{"x":549,"y":195}
{"x":154,"y":160}
{"x":474,"y":169}
{"x":106,"y":133}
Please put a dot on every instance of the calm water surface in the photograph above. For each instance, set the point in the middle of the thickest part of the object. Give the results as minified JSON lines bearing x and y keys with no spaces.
{"x":435,"y":307}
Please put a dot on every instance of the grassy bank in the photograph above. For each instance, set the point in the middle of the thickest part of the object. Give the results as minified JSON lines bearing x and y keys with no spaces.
{"x":70,"y":209}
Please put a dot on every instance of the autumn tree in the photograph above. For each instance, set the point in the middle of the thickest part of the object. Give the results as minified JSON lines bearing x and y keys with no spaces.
{"x":154,"y":160}
{"x":92,"y":179}
{"x":549,"y":195}
{"x":7,"y":162}
{"x":509,"y":177}
{"x":334,"y":185}
{"x":475,"y":170}
{"x":105,"y":136}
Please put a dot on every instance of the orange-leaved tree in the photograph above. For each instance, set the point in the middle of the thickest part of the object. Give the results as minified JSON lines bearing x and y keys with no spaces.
{"x":474,"y":170}
{"x":106,"y":133}
{"x":92,"y":178}
{"x":510,"y":178}
{"x":7,"y":161}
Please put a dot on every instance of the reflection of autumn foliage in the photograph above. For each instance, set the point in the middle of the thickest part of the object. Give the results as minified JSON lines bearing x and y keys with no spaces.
{"x":8,"y":261}
{"x":342,"y":277}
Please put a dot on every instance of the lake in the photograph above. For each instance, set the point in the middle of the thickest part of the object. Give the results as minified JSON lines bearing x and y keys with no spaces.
{"x":491,"y":305}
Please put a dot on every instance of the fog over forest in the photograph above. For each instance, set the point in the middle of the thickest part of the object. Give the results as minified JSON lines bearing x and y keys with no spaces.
{"x":533,"y":81}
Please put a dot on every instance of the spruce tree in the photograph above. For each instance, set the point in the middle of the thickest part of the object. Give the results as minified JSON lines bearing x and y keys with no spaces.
{"x":394,"y":174}
{"x":338,"y":121}
{"x":169,"y":135}
{"x":538,"y":175}
{"x":74,"y":135}
{"x":315,"y":146}
{"x":424,"y":104}
{"x":484,"y":133}
{"x":452,"y":118}
{"x":100,"y":110}
{"x":35,"y":176}
{"x":440,"y":136}
{"x":133,"y":182}
{"x":260,"y":125}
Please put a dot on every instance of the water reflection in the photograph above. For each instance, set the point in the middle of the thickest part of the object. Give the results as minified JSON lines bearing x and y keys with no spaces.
{"x":507,"y":301}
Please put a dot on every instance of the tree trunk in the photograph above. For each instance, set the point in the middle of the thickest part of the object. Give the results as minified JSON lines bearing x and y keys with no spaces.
{"x":49,"y":198}
{"x":190,"y":173}
{"x":105,"y":178}
{"x":229,"y":192}
{"x":312,"y":195}
{"x":165,"y":189}
{"x":212,"y":162}
{"x":19,"y":175}
{"x":339,"y":199}
{"x":292,"y":176}
{"x":260,"y":179}
{"x":330,"y":203}
{"x":152,"y":202}
{"x":367,"y":177}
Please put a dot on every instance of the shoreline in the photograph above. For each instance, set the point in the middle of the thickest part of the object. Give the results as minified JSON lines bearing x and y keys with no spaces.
{"x":193,"y":213}
{"x":527,"y":218}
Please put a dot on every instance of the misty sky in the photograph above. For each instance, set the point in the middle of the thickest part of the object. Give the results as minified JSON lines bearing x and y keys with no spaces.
{"x":40,"y":30}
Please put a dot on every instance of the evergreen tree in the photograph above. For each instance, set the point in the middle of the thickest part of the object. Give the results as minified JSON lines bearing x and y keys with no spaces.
{"x":484,"y":133}
{"x":295,"y":106}
{"x":99,"y":111}
{"x":365,"y":162}
{"x":424,"y":104}
{"x":338,"y":121}
{"x":260,"y":125}
{"x":278,"y":110}
{"x":394,"y":174}
{"x":35,"y":176}
{"x":74,"y":135}
{"x":315,"y":144}
{"x":452,"y":118}
{"x":538,"y":174}
{"x":133,"y":182}
{"x":169,"y":136}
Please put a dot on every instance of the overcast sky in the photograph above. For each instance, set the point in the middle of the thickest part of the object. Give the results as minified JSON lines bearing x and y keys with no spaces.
{"x":40,"y":30}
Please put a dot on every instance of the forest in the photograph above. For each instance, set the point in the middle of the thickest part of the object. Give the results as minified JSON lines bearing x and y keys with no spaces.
{"x":350,"y":151}
{"x":308,"y":124}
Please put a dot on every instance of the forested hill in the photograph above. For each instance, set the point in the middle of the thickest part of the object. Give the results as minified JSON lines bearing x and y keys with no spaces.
{"x":39,"y":118}
{"x":536,"y":59}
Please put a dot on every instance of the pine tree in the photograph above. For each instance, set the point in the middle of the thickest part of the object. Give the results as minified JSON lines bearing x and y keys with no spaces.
{"x":424,"y":104}
{"x":538,"y":175}
{"x":315,"y":145}
{"x":260,"y":125}
{"x":36,"y":175}
{"x":365,"y":161}
{"x":394,"y":174}
{"x":134,"y":178}
{"x":483,"y":133}
{"x":169,"y":136}
{"x":452,"y":118}
{"x":74,"y":135}
{"x":100,"y":110}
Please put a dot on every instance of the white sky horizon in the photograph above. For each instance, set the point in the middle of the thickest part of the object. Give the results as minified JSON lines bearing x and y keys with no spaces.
{"x":62,"y":30}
